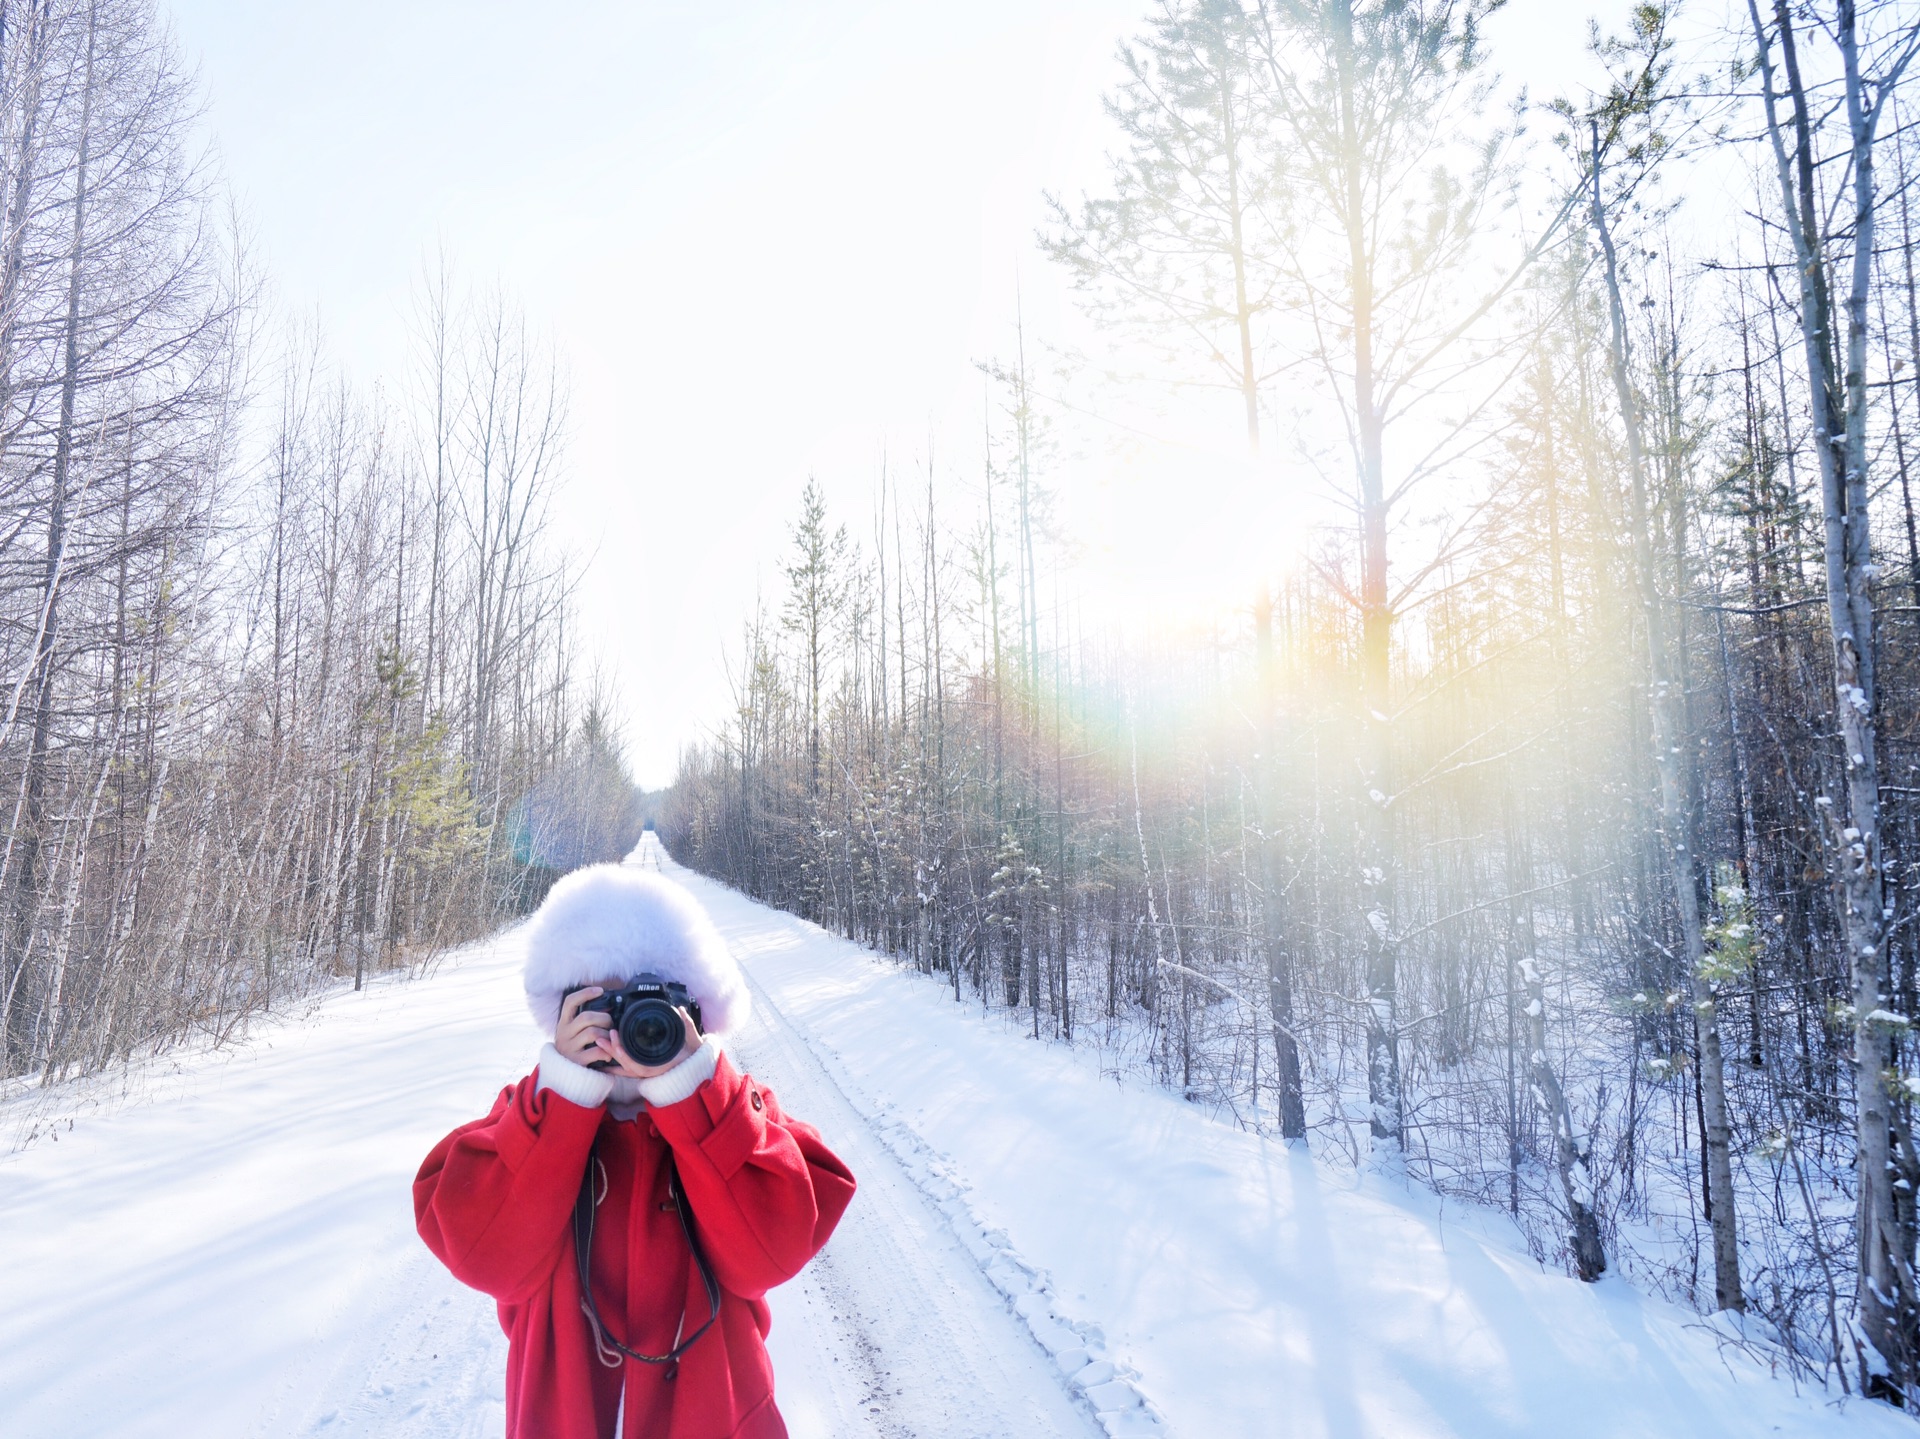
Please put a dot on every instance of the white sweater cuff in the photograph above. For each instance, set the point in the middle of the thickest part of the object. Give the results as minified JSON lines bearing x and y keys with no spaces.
{"x":685,"y":1077}
{"x":584,"y":1087}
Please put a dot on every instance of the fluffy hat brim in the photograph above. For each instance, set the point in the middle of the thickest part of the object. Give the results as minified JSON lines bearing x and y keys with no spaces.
{"x":613,"y":921}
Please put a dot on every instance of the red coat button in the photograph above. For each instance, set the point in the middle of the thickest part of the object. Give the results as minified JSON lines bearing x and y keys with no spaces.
{"x":756,"y":1100}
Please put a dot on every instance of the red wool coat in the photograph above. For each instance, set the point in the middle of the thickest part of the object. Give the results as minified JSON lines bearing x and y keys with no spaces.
{"x":495,"y":1199}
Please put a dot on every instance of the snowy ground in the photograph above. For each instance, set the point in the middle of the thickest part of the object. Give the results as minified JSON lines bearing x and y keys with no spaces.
{"x":1034,"y":1250}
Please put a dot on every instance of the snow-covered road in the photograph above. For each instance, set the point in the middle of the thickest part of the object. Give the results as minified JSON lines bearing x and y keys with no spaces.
{"x":1034,"y":1251}
{"x":233,"y":1254}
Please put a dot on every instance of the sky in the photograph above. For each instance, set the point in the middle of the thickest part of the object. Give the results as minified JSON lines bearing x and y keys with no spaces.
{"x":767,"y":240}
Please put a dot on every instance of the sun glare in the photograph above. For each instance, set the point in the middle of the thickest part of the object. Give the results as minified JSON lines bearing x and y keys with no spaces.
{"x":1176,"y":536}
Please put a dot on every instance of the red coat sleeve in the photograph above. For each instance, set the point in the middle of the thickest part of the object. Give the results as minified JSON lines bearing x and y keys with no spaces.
{"x":494,"y":1198}
{"x":765,"y":1191}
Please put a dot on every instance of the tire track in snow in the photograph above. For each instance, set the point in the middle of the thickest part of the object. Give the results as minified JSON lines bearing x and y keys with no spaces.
{"x":1071,"y":1356}
{"x":900,"y":1331}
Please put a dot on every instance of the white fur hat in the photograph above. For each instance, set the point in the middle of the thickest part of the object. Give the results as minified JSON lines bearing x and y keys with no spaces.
{"x":613,"y":921}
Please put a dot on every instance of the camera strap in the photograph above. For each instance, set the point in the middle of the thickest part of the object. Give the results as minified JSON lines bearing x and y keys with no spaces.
{"x":611,"y":1349}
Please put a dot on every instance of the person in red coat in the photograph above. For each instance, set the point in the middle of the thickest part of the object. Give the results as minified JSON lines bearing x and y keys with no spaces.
{"x":703,"y":1193}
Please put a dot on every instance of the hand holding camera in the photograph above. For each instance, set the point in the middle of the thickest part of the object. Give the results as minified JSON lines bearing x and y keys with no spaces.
{"x":640,"y":1029}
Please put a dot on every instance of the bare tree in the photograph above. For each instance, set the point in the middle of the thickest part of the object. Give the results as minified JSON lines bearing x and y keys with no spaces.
{"x":1182,"y":249}
{"x":1886,"y":1304}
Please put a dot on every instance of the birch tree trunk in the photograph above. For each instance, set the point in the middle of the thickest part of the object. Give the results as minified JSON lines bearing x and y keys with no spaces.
{"x":1572,"y":1157}
{"x":1286,"y":1049}
{"x":1885,"y":1302}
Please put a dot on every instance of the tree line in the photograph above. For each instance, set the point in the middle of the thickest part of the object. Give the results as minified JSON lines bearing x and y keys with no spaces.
{"x":290,"y":687}
{"x":1550,"y":829}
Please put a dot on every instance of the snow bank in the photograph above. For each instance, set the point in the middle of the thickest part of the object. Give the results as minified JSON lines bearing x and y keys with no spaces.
{"x":234,"y":1253}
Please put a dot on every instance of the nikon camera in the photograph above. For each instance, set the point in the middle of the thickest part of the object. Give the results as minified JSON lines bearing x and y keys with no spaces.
{"x":643,"y":1015}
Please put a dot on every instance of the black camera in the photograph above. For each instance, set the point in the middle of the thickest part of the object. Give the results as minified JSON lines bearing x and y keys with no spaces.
{"x":643,"y":1014}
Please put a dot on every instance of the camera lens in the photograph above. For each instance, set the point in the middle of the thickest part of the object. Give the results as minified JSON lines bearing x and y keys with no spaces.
{"x":652,"y":1032}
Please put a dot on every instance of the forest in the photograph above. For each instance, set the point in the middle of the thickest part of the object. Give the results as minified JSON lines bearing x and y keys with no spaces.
{"x":289,"y":696}
{"x":1543,"y":822}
